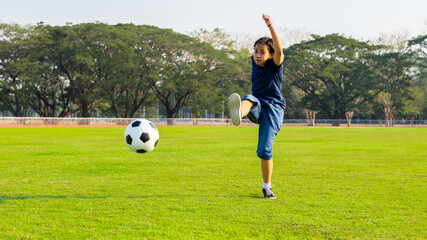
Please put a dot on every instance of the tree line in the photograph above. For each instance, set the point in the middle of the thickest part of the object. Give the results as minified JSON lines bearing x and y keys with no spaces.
{"x":126,"y":70}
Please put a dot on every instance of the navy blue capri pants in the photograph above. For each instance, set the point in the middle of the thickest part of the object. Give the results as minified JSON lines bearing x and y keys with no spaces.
{"x":269,"y":116}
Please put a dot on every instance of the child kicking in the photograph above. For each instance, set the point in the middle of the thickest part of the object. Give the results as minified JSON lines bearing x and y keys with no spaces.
{"x":265,"y":106}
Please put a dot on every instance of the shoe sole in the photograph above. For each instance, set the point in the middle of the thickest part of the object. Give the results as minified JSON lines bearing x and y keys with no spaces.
{"x":234,"y":105}
{"x":270,"y":197}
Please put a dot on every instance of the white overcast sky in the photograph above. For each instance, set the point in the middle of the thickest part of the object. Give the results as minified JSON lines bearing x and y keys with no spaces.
{"x":356,"y":18}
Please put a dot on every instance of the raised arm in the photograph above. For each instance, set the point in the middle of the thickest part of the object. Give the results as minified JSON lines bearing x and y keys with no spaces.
{"x":278,"y":49}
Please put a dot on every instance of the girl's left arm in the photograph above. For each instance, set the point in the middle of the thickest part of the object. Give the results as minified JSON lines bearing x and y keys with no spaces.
{"x":278,"y":49}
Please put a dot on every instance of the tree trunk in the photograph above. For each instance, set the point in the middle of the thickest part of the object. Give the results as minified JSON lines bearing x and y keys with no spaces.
{"x":336,"y":117}
{"x":84,"y":111}
{"x":387,"y":117}
{"x":388,"y":109}
{"x":311,"y":118}
{"x":170,"y":114}
{"x":349,"y":116}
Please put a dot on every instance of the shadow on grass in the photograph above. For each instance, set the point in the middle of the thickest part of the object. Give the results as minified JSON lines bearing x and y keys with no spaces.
{"x":4,"y":198}
{"x":241,"y":196}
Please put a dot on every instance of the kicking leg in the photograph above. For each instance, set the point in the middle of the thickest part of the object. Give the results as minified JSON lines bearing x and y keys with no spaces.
{"x":238,"y":108}
{"x":246,"y":106}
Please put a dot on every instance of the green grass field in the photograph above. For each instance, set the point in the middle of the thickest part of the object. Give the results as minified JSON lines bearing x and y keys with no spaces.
{"x":205,"y":183}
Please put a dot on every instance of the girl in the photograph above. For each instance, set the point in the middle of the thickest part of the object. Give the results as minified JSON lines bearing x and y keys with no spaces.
{"x":266,"y":104}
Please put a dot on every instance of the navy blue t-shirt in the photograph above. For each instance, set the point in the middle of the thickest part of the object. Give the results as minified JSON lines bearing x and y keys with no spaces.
{"x":267,"y":83}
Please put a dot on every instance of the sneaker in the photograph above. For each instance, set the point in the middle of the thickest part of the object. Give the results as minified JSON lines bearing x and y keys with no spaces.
{"x":268,"y":193}
{"x":234,"y":105}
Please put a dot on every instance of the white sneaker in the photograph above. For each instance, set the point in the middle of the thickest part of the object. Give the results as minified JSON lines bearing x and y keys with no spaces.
{"x":234,"y":106}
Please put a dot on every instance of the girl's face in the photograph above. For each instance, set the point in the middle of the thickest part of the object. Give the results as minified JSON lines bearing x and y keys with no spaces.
{"x":261,"y":54}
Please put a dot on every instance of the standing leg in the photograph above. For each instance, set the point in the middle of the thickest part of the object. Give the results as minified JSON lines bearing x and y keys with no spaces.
{"x":270,"y":124}
{"x":267,"y":170}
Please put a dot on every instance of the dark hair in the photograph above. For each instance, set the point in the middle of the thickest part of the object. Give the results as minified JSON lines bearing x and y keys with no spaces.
{"x":267,"y":41}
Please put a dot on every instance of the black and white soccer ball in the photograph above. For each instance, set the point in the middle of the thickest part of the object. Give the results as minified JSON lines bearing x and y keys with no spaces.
{"x":141,"y":136}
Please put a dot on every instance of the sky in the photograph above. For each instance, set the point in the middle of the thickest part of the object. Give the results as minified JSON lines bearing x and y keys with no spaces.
{"x":362,"y":19}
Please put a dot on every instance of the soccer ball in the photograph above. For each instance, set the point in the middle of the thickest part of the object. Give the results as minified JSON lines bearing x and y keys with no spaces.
{"x":141,"y":136}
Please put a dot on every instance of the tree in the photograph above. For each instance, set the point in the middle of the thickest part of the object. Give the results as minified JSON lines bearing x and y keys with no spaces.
{"x":230,"y":72}
{"x":418,"y":50}
{"x":49,"y":92}
{"x":181,"y":66}
{"x":78,"y":58}
{"x":13,"y":60}
{"x":392,"y":65}
{"x":130,"y":89}
{"x":89,"y":66}
{"x":334,"y":74}
{"x":392,"y":68}
{"x":412,"y":105}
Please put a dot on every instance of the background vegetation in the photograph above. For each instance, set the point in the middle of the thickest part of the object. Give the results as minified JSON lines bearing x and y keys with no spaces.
{"x":125,"y":70}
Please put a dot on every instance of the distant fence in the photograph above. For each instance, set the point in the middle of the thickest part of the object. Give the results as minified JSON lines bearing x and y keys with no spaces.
{"x":38,"y":121}
{"x":356,"y":122}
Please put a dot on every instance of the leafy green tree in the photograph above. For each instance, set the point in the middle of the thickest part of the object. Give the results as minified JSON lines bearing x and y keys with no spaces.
{"x":392,"y":69}
{"x":129,"y":89}
{"x":14,"y":50}
{"x":75,"y":59}
{"x":334,"y":74}
{"x":49,"y":89}
{"x":89,"y":65}
{"x":181,"y":66}
{"x":418,"y":49}
{"x":228,"y":76}
{"x":413,"y":104}
{"x":230,"y":72}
